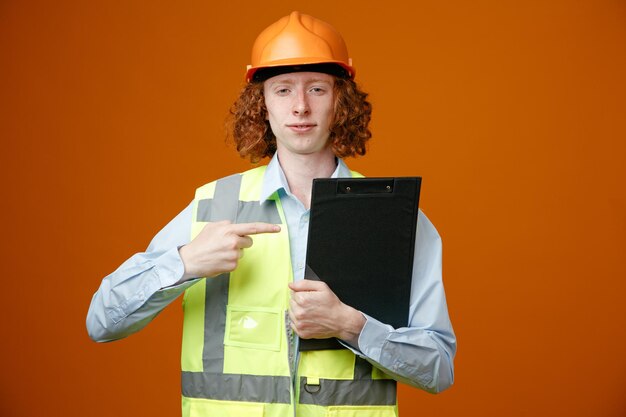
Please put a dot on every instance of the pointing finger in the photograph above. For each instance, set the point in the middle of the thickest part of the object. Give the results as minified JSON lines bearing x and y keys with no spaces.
{"x":245,"y":229}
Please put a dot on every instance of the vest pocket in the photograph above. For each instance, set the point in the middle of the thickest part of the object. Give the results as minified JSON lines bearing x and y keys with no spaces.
{"x":253,"y":327}
{"x":204,"y":408}
{"x":361,"y":411}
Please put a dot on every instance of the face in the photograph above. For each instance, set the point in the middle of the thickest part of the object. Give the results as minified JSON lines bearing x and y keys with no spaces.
{"x":300,"y":110}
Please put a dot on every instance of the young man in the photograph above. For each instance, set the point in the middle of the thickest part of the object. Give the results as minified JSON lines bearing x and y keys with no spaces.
{"x":238,"y":251}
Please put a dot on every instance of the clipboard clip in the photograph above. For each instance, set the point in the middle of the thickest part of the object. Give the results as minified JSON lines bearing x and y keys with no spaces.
{"x":365,"y":186}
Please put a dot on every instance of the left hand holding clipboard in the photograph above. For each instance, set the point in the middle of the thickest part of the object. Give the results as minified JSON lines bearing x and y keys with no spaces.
{"x":317,"y":313}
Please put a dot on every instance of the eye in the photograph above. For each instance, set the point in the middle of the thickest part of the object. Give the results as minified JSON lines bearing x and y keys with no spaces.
{"x":317,"y":90}
{"x":282,"y":91}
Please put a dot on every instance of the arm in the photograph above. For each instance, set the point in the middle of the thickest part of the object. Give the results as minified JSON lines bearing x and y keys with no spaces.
{"x":133,"y":295}
{"x":145,"y":284}
{"x":421,"y":354}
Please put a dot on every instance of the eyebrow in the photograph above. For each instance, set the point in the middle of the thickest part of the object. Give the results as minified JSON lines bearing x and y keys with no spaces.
{"x":292,"y":81}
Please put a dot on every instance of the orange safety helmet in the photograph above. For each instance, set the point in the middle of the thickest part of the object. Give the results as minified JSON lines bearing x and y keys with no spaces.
{"x":295,"y":41}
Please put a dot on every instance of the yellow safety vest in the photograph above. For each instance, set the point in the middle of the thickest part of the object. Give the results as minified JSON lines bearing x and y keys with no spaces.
{"x":235,"y":352}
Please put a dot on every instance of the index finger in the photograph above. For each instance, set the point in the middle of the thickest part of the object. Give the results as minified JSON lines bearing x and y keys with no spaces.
{"x":245,"y":229}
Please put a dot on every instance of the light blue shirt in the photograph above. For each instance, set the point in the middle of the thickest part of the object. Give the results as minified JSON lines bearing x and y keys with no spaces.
{"x":420,"y":355}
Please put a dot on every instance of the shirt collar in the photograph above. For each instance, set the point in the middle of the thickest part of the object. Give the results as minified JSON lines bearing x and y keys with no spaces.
{"x":274,"y":178}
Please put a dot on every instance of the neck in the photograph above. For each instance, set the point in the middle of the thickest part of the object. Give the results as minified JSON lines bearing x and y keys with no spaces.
{"x":300,"y":170}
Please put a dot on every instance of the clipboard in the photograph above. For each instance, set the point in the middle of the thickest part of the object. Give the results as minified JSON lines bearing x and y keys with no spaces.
{"x":361,"y":242}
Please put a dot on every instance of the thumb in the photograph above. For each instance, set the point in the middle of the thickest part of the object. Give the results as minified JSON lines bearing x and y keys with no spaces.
{"x":306,"y":285}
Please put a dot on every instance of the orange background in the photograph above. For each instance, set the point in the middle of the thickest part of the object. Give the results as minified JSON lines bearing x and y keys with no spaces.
{"x":514,"y":113}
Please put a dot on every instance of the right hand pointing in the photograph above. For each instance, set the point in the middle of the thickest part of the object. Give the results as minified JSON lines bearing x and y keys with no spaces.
{"x":218,"y":247}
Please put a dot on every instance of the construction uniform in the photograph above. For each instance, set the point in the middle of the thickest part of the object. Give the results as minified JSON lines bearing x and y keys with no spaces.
{"x":237,"y":355}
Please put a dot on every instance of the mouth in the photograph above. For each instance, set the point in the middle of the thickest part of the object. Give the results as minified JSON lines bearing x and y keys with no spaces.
{"x":301,"y":127}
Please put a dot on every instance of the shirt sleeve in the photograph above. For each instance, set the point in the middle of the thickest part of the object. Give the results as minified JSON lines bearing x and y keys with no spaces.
{"x":133,"y":295}
{"x":421,"y":354}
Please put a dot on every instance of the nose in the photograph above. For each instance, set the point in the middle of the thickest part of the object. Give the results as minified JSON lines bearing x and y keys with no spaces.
{"x":301,"y":105}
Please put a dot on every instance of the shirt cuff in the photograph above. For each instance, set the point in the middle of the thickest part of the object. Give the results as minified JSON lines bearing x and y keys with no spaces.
{"x":170,"y":271}
{"x":373,"y":337}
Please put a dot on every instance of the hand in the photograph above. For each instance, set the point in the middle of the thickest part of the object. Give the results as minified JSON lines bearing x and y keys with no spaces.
{"x":218,"y":247}
{"x":317,"y":313}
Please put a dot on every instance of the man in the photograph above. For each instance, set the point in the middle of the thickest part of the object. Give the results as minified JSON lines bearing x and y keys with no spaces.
{"x":237,"y":251}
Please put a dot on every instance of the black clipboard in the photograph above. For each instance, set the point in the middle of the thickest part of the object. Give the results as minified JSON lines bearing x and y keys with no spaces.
{"x":361,"y":243}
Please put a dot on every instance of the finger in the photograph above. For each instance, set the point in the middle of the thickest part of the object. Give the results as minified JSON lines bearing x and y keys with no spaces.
{"x":245,"y":229}
{"x":292,"y":316}
{"x":298,"y":300}
{"x":244,"y":242}
{"x":307,"y":285}
{"x":293,"y":321}
{"x":293,"y":304}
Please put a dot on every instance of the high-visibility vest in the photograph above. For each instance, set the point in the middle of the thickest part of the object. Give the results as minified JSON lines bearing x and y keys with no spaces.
{"x":235,"y":352}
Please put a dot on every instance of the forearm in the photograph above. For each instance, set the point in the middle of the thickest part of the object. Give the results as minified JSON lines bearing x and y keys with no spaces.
{"x":133,"y":295}
{"x":141,"y":287}
{"x":417,"y":357}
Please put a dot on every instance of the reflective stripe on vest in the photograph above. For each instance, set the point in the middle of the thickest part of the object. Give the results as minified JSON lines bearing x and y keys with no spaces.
{"x":212,"y":304}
